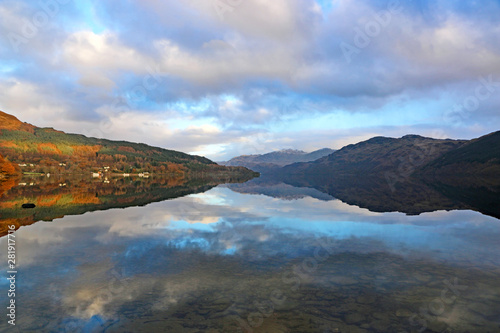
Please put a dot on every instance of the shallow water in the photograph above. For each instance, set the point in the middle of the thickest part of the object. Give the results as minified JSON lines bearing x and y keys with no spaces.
{"x":222,"y":261}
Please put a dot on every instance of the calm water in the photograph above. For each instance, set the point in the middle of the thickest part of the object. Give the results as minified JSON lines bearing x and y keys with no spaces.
{"x":223,"y":261}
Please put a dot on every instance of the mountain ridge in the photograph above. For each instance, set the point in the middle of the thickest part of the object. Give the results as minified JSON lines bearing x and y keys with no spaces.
{"x":411,"y":174}
{"x":47,"y":150}
{"x":276,"y":159}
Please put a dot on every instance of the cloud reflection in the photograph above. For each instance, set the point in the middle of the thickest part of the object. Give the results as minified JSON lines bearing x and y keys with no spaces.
{"x":161,"y":258}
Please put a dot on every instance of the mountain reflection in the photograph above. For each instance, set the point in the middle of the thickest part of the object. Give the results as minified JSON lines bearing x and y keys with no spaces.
{"x":55,"y":197}
{"x":224,"y":261}
{"x":411,"y":197}
{"x":58,"y":197}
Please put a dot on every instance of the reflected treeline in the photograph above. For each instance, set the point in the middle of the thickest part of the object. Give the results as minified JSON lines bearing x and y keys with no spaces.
{"x":55,"y":197}
{"x":275,"y":188}
{"x":411,"y":196}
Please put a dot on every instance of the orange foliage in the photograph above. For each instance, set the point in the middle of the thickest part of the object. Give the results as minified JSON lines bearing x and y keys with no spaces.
{"x":8,"y":204}
{"x":7,"y":168}
{"x":85,"y":198}
{"x":172,"y":182}
{"x":174,"y":167}
{"x":127,"y":149}
{"x":48,"y":200}
{"x":48,"y":148}
{"x":7,"y":184}
{"x":8,"y":144}
{"x":85,"y":150}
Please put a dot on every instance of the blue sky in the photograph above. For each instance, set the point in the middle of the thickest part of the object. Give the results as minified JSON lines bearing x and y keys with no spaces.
{"x":223,"y":78}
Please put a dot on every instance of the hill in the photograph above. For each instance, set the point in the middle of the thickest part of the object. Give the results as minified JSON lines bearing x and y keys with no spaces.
{"x":478,"y":161}
{"x":45,"y":150}
{"x":378,"y":157}
{"x":9,"y":122}
{"x":276,"y":159}
{"x":412,"y":174}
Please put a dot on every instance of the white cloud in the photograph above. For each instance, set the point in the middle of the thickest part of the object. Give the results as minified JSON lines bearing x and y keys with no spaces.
{"x":456,"y":49}
{"x":264,"y":54}
{"x":30,"y":103}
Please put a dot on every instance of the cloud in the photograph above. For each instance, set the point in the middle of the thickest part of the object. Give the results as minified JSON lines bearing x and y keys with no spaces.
{"x":29,"y":102}
{"x":247,"y":68}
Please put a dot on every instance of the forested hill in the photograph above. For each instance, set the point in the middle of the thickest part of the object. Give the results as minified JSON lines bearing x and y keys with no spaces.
{"x":47,"y":150}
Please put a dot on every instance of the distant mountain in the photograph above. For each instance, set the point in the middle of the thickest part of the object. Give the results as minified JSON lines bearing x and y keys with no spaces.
{"x":412,"y":174}
{"x":276,"y":159}
{"x":270,"y":187}
{"x":45,"y":150}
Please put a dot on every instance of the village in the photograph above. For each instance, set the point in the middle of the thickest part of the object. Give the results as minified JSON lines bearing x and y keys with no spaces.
{"x":103,"y":173}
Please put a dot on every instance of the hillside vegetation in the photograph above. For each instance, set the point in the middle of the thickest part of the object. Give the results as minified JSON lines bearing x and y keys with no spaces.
{"x":45,"y":150}
{"x":7,"y":169}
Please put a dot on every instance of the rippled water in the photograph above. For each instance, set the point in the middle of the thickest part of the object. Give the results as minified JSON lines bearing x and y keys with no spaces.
{"x":222,"y":261}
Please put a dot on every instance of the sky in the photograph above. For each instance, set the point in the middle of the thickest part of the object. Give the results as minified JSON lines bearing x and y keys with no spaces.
{"x":222,"y":78}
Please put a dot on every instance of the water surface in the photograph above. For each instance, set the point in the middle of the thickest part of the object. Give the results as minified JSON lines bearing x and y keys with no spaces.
{"x":223,"y":261}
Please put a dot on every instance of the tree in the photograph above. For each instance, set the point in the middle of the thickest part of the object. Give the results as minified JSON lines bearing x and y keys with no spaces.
{"x":7,"y":168}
